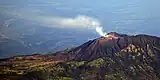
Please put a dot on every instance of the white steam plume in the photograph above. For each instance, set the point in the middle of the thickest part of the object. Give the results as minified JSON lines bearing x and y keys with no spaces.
{"x":81,"y":22}
{"x":100,"y":31}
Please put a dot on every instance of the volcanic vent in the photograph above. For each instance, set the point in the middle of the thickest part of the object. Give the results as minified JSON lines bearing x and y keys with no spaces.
{"x":112,"y":43}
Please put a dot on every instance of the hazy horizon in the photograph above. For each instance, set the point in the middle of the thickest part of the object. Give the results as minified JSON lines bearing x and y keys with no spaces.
{"x":32,"y":26}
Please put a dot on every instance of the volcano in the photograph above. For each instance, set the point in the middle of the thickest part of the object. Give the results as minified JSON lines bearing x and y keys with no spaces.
{"x":111,"y":57}
{"x":114,"y":43}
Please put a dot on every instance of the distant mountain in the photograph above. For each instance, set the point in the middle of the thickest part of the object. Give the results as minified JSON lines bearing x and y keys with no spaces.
{"x":112,"y":57}
{"x":36,"y":39}
{"x":8,"y":45}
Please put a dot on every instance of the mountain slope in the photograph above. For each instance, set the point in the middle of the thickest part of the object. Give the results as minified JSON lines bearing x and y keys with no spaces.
{"x":112,"y":57}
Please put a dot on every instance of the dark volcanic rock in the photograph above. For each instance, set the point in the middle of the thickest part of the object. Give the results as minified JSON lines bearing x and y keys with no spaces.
{"x":105,"y":46}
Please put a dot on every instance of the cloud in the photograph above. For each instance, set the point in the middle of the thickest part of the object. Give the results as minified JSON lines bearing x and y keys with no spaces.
{"x":8,"y":22}
{"x":80,"y":21}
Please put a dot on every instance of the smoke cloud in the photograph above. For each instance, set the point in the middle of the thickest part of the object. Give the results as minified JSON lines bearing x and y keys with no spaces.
{"x":100,"y":31}
{"x":81,"y":22}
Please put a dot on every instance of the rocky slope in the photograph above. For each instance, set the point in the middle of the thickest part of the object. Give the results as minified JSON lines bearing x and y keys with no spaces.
{"x":113,"y":57}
